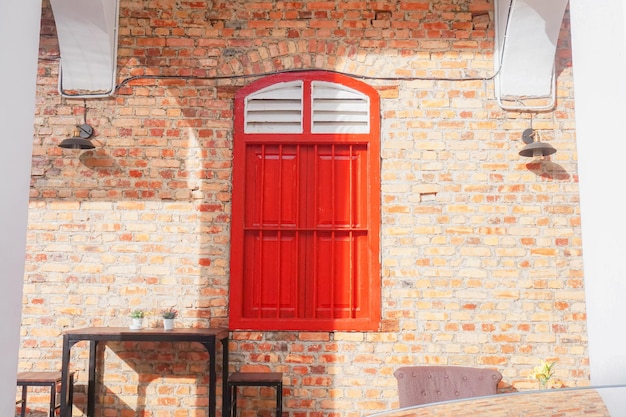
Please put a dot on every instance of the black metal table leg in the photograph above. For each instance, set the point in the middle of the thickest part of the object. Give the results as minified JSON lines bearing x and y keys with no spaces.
{"x":91,"y":386}
{"x":65,"y":406}
{"x":225,"y":389}
{"x":210,"y":347}
{"x":53,"y":397}
{"x":23,"y":414}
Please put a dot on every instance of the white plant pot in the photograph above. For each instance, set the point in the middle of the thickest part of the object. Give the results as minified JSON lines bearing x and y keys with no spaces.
{"x":168,"y":324}
{"x":136,"y":324}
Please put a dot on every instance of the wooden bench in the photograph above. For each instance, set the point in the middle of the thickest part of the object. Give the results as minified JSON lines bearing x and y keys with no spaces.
{"x":255,"y":379}
{"x":44,"y":379}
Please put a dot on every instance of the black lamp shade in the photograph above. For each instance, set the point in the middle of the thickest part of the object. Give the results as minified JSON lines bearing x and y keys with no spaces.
{"x":76,"y":143}
{"x":80,"y":140}
{"x":536,"y":149}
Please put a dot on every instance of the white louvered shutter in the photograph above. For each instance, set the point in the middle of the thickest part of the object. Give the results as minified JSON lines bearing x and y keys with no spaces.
{"x":275,"y":109}
{"x":338,"y":109}
{"x":335,"y":109}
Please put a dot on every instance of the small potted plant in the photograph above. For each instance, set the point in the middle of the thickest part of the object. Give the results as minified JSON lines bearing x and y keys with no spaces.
{"x":168,"y":315}
{"x":137,"y":316}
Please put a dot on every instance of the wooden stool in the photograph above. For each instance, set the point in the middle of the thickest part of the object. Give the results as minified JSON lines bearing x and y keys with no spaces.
{"x":44,"y":379}
{"x":256,"y":379}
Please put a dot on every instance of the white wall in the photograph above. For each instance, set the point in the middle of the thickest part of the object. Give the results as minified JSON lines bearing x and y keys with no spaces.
{"x":19,"y":42}
{"x":599,"y":63}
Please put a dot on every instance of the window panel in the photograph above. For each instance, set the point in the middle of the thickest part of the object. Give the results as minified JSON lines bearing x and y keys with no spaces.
{"x":272,"y":186}
{"x":269,"y":289}
{"x":338,"y":186}
{"x":341,"y":260}
{"x":335,"y":275}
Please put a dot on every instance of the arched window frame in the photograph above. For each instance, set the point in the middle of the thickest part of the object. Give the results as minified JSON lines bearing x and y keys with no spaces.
{"x":306,"y":204}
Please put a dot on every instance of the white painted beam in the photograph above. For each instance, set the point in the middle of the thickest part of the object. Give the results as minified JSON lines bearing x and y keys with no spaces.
{"x":87,"y":31}
{"x":19,"y":44}
{"x":599,"y":59}
{"x":527,"y":32}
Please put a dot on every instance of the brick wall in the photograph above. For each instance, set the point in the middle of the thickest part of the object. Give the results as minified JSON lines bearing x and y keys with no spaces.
{"x":481,"y":249}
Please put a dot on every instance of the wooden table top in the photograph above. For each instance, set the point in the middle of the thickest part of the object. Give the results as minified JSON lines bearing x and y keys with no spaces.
{"x":124,"y":333}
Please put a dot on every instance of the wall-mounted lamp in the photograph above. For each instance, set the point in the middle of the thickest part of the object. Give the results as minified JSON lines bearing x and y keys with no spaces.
{"x":535,"y":148}
{"x":82,"y":133}
{"x":80,"y":139}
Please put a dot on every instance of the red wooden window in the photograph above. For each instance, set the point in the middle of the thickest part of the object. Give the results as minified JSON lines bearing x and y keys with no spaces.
{"x":306,"y":205}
